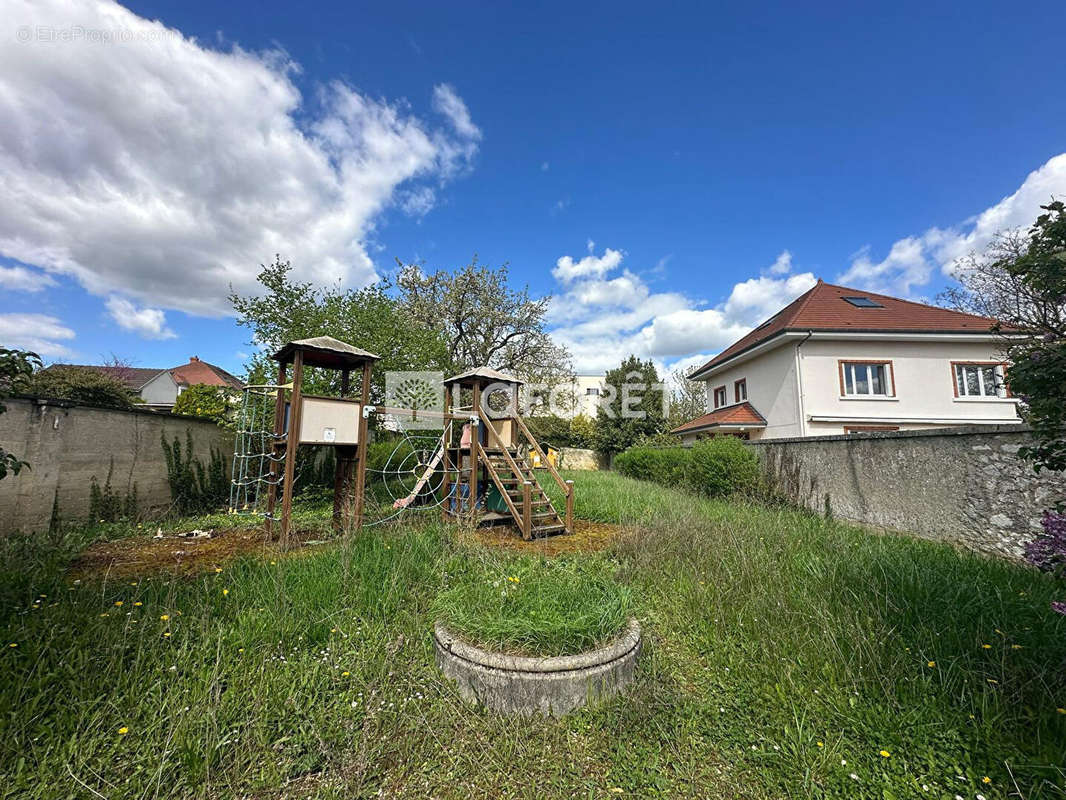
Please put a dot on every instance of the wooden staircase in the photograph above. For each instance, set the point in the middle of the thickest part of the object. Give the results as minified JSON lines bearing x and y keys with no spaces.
{"x":528,"y":503}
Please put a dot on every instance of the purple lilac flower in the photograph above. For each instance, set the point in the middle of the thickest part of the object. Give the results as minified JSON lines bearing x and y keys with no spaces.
{"x":1047,"y":551}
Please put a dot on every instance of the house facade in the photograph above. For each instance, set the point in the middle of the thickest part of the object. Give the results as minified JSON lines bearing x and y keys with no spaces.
{"x":840,"y":361}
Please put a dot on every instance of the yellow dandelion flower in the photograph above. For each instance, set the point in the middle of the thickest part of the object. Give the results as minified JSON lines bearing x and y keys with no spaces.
{"x":118,"y":603}
{"x":123,"y":731}
{"x":931,"y":664}
{"x":1015,"y":647}
{"x":345,"y":674}
{"x":885,"y":754}
{"x":166,"y":635}
{"x":986,"y":779}
{"x":332,"y":630}
{"x":105,"y":614}
{"x":138,"y":603}
{"x":165,"y":617}
{"x":13,"y":644}
{"x":225,"y":592}
{"x":1061,"y":710}
{"x":987,"y":646}
{"x":217,"y":570}
{"x":820,"y":744}
{"x":240,"y":649}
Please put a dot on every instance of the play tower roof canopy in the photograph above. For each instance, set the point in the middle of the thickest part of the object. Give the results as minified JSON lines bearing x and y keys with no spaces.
{"x":482,"y":376}
{"x":325,"y":351}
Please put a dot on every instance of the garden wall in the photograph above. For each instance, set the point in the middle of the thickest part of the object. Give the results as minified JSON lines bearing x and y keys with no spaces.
{"x":580,"y":458}
{"x":964,"y":485}
{"x":67,"y":446}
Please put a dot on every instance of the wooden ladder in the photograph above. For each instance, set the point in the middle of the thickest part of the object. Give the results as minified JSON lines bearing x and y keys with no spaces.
{"x":528,"y":503}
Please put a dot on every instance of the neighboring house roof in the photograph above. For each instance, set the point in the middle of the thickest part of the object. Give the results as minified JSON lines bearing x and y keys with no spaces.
{"x":741,"y":415}
{"x":197,"y":371}
{"x":133,"y":378}
{"x":136,"y":378}
{"x":824,"y":308}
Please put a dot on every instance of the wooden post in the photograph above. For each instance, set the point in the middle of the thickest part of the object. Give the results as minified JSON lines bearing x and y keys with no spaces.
{"x":275,"y":448}
{"x":360,"y":469}
{"x":342,"y":470}
{"x":292,"y":445}
{"x":569,"y":506}
{"x":527,"y":513}
{"x":475,"y":432}
{"x":446,"y":438}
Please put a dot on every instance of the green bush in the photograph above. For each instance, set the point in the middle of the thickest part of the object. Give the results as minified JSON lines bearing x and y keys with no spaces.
{"x":713,"y":467}
{"x":723,"y":465}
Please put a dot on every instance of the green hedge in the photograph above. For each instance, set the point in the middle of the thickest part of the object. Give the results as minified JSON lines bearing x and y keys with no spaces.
{"x":712,"y":467}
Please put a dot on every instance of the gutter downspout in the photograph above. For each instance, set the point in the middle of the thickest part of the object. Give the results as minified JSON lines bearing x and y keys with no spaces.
{"x":799,"y":385}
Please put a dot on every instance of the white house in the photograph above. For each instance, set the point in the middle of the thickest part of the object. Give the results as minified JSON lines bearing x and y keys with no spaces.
{"x":839,"y":361}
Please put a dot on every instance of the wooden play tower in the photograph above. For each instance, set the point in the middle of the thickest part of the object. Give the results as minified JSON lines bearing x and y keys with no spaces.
{"x":488,"y":456}
{"x":340,"y":422}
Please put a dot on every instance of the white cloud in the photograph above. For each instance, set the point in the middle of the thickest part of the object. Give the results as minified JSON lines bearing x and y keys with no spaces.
{"x":20,"y":279}
{"x":168,"y":171}
{"x":544,"y":166}
{"x":567,"y":269}
{"x":913,"y":260}
{"x":603,"y":318}
{"x":148,"y":323}
{"x":448,"y":102}
{"x":41,"y":333}
{"x":783,"y":264}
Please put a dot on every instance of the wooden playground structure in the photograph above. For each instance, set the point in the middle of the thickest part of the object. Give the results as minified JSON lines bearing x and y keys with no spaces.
{"x":480,"y":461}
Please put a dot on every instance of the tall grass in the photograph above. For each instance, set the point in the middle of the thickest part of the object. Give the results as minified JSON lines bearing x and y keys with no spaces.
{"x":783,"y":653}
{"x":532,"y":606}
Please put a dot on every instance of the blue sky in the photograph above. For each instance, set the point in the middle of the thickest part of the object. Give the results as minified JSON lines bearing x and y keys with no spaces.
{"x":670,"y":176}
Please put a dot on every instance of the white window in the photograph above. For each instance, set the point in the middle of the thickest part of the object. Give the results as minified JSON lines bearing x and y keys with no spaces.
{"x":866,"y":379}
{"x":979,"y":380}
{"x":740,"y":390}
{"x":719,"y":397}
{"x":592,"y":392}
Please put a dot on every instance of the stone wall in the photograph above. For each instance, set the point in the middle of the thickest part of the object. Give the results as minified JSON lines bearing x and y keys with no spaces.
{"x":580,"y":458}
{"x":67,"y":446}
{"x":963,"y":485}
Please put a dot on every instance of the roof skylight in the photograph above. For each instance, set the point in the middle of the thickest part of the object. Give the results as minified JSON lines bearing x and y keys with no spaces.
{"x":863,"y":302}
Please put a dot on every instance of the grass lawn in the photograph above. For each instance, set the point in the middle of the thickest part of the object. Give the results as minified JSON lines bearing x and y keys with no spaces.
{"x":786,"y":656}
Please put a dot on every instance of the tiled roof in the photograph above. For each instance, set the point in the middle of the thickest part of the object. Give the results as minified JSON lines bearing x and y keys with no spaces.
{"x":133,"y":378}
{"x":197,"y":371}
{"x":823,"y":308}
{"x":739,"y":414}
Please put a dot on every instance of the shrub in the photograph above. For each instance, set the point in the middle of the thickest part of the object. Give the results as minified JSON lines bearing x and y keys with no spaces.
{"x":713,"y":467}
{"x":216,"y":403}
{"x":723,"y":465}
{"x":81,"y":385}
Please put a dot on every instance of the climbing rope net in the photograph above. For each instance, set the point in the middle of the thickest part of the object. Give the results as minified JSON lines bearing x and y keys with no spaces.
{"x":410,"y":478}
{"x":257,"y":464}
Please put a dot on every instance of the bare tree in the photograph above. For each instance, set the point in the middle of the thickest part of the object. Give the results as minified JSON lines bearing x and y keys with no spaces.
{"x":485,"y":321}
{"x":688,"y":399}
{"x":989,"y":287}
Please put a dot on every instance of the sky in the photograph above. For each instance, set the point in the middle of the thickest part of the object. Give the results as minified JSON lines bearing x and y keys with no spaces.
{"x":670,"y":174}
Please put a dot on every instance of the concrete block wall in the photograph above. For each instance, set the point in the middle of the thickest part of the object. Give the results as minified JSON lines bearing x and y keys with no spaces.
{"x":68,"y":445}
{"x":964,"y":485}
